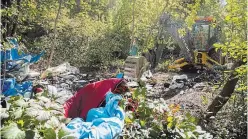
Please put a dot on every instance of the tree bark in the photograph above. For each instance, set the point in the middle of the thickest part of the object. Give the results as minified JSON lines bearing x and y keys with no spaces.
{"x":224,"y":95}
{"x":15,"y":23}
{"x":78,"y":6}
{"x":9,"y":23}
{"x":55,"y":32}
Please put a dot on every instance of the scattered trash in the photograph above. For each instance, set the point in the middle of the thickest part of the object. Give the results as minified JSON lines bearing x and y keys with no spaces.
{"x":199,"y":86}
{"x":146,"y":75}
{"x":132,"y":84}
{"x":166,"y":85}
{"x":181,"y":92}
{"x":149,"y":87}
{"x":101,"y":123}
{"x":63,"y":68}
{"x":120,"y":75}
{"x":16,"y":75}
{"x":52,"y":90}
{"x":229,"y":66}
{"x":178,"y":81}
{"x":167,"y":89}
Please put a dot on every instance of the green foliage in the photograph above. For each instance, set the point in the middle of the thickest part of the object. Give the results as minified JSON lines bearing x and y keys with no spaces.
{"x":89,"y":32}
{"x":12,"y":132}
{"x":32,"y":118}
{"x":164,"y":66}
{"x":155,"y":119}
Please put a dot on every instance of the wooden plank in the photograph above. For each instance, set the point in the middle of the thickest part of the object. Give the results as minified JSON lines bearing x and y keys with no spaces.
{"x":130,"y":65}
{"x":130,"y":62}
{"x":130,"y":69}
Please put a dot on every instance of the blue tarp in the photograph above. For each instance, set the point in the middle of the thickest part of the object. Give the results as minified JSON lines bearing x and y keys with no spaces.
{"x":10,"y":57}
{"x":14,"y":55}
{"x":101,"y":123}
{"x":11,"y":88}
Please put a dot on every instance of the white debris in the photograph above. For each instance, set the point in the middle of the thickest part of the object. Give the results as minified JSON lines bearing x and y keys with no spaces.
{"x":146,"y":75}
{"x":63,"y":68}
{"x":132,"y":84}
{"x":181,"y":92}
{"x":178,"y":81}
{"x":199,"y":85}
{"x":52,"y":90}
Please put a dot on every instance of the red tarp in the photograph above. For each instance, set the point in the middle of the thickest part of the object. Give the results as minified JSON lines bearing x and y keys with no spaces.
{"x":89,"y":97}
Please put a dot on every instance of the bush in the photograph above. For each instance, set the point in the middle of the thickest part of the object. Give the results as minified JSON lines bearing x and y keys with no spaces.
{"x":33,"y":118}
{"x":155,"y":119}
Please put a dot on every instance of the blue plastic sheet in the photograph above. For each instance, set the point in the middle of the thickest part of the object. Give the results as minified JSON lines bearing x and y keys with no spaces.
{"x":101,"y":123}
{"x":11,"y":88}
{"x":13,"y":41}
{"x":13,"y":54}
{"x":7,"y":84}
{"x":10,"y":57}
{"x":120,"y":75}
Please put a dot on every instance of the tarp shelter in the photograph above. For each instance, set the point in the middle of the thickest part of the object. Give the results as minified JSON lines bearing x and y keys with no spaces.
{"x":88,"y":97}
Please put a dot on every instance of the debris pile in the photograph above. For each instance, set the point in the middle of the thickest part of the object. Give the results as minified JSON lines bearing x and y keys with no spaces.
{"x":18,"y":79}
{"x":16,"y":76}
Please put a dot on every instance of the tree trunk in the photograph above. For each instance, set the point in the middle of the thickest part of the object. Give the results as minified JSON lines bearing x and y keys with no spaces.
{"x":78,"y":6}
{"x":15,"y":22}
{"x":55,"y":32}
{"x":9,"y":23}
{"x":223,"y":96}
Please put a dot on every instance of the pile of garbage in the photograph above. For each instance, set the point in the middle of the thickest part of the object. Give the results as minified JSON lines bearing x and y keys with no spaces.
{"x":16,"y":76}
{"x":18,"y":79}
{"x":173,"y":84}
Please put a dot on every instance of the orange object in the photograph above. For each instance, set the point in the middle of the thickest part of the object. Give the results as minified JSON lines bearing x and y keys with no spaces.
{"x":208,"y":18}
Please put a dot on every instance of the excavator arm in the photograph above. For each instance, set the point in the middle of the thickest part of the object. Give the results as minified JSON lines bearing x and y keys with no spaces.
{"x":172,"y":28}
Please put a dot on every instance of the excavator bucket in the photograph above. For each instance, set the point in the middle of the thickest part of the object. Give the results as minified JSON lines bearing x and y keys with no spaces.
{"x":179,"y":63}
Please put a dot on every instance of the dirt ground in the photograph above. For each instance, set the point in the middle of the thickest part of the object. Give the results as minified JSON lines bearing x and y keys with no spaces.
{"x":194,"y":100}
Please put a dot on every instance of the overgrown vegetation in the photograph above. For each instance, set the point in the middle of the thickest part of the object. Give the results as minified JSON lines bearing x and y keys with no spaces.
{"x":97,"y":34}
{"x":156,"y":119}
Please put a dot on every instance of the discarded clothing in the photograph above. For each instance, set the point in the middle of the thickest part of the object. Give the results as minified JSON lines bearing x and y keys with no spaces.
{"x":101,"y":123}
{"x":88,"y":97}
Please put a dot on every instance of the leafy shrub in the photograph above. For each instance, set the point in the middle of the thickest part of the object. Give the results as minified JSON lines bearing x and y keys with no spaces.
{"x":33,"y":118}
{"x":164,"y":66}
{"x":155,"y":119}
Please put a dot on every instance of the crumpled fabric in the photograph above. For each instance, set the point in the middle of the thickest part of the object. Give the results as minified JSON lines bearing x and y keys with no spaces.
{"x":88,"y":97}
{"x":101,"y":123}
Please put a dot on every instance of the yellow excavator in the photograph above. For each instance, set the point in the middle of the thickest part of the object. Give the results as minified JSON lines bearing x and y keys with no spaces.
{"x":196,"y":46}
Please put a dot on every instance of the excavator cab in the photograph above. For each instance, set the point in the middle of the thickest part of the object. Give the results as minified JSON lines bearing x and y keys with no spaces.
{"x":203,"y":36}
{"x":202,"y":31}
